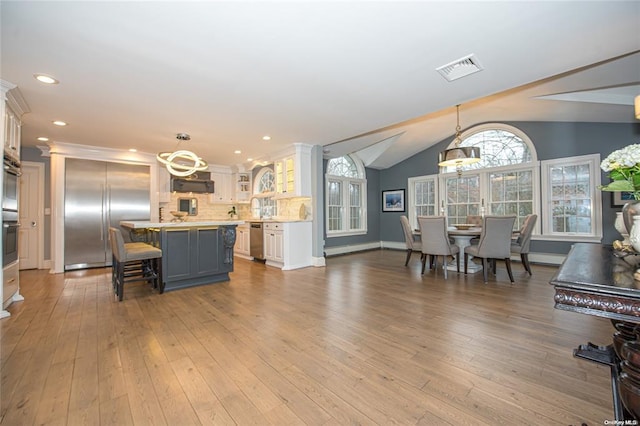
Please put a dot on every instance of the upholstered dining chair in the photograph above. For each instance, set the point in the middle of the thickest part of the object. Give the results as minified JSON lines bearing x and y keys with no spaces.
{"x":435,"y":241}
{"x":409,"y":239}
{"x":521,"y":244}
{"x":494,"y":243}
{"x":474,"y":220}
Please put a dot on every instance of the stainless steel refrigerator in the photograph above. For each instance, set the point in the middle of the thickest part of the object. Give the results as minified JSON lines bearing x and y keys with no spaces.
{"x":98,"y":195}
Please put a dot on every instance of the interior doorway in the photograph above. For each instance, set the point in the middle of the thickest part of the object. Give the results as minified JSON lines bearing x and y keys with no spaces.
{"x":31,"y":213}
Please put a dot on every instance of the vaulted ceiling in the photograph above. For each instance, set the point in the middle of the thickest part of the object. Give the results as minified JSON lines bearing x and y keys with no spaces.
{"x":350,"y":76}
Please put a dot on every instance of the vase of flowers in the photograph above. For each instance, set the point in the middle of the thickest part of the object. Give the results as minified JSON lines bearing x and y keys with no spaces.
{"x":623,"y":167}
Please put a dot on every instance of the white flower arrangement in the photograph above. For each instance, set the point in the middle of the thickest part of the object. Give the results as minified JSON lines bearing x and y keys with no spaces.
{"x":623,"y":167}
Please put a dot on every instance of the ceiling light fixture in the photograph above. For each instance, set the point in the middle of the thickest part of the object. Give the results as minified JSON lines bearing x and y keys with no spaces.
{"x":182,"y":162}
{"x":266,"y":138}
{"x":43,"y":139}
{"x":46,"y":79}
{"x":59,"y":123}
{"x":459,"y":156}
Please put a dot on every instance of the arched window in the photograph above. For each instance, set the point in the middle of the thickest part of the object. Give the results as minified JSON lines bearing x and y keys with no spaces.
{"x":500,"y":145}
{"x":264,"y":188}
{"x":503,"y":182}
{"x":346,"y":197}
{"x":508,"y":180}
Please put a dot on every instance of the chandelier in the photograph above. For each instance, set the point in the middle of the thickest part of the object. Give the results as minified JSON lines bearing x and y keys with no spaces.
{"x":458,"y":156}
{"x":182,"y":162}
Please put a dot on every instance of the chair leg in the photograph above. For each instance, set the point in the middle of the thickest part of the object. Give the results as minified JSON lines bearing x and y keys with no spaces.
{"x":494,"y":269}
{"x":485,"y":267}
{"x":507,"y":262}
{"x":406,"y":262}
{"x":525,"y":261}
{"x":120,"y":290}
{"x":458,"y":262}
{"x":444,"y":265}
{"x":424,"y":261}
{"x":466,"y":262}
{"x":160,"y":278}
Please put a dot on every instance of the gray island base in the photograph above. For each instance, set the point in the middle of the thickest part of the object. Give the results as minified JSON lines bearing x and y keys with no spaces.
{"x":193,"y":253}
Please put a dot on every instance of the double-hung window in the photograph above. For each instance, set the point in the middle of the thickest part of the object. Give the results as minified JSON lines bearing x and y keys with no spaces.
{"x":346,"y":202}
{"x":509,"y":180}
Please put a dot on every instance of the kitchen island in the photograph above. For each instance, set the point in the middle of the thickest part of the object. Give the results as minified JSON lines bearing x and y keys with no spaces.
{"x":193,"y":253}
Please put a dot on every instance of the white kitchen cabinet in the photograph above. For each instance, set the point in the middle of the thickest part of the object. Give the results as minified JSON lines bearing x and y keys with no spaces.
{"x":243,"y":187}
{"x":287,"y":245}
{"x":14,"y":108}
{"x":223,"y":187}
{"x":242,"y":247}
{"x":293,"y":172}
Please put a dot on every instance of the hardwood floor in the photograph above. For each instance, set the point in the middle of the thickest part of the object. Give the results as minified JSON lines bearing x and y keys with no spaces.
{"x":365,"y":340}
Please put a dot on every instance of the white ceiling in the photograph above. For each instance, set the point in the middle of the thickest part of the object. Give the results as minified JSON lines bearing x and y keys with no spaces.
{"x":346,"y":75}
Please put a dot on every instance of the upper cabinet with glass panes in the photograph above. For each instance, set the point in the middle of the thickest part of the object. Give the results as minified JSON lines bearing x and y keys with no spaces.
{"x":292,"y":170}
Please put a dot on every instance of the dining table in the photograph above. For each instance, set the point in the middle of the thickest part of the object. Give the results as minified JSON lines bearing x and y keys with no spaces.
{"x":462,"y":238}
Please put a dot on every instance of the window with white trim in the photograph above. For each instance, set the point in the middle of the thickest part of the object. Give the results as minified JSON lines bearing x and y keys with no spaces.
{"x":263,"y":205}
{"x":501,"y":183}
{"x":571,"y":201}
{"x":346,"y":202}
{"x":563,"y":192}
{"x":422,"y":198}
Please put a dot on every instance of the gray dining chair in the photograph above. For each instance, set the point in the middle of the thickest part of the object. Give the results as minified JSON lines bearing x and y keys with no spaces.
{"x":435,"y":242}
{"x":409,"y":238}
{"x":521,"y":244}
{"x":494,"y":243}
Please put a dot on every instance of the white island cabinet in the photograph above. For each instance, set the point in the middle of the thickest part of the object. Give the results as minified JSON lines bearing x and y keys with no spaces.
{"x":287,"y":245}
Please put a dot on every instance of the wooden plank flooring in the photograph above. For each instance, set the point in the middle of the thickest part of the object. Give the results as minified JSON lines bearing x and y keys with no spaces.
{"x":363,"y":341}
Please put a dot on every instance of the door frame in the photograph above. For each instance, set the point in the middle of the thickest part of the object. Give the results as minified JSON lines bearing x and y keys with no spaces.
{"x":39,"y":183}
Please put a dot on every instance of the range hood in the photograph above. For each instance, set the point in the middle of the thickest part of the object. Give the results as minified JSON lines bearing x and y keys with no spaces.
{"x":197,"y":183}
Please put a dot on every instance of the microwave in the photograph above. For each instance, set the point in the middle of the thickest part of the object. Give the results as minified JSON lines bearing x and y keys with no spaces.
{"x":11,"y":192}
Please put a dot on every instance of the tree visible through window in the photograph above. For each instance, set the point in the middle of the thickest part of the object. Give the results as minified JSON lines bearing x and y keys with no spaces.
{"x":346,"y":197}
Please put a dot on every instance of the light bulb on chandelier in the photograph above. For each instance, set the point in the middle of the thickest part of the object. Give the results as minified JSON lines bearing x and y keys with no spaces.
{"x":182,"y":162}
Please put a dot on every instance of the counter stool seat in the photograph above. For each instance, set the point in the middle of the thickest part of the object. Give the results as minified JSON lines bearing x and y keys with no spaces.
{"x":134,"y":262}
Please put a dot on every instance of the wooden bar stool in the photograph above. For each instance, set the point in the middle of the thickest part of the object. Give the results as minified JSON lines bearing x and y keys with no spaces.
{"x":134,"y":262}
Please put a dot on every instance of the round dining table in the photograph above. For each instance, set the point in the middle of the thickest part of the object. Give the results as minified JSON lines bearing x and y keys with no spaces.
{"x":462,"y":238}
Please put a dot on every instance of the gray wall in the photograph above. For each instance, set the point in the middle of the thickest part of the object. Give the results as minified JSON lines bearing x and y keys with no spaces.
{"x":551,"y":140}
{"x":35,"y":155}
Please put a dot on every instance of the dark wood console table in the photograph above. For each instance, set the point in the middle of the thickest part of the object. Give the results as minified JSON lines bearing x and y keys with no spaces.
{"x":595,"y":280}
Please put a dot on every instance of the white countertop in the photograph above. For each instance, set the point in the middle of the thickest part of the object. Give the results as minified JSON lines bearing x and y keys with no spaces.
{"x":145,"y":224}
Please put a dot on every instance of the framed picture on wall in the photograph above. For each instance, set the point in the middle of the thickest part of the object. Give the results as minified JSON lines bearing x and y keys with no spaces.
{"x":619,"y":199}
{"x":393,"y":201}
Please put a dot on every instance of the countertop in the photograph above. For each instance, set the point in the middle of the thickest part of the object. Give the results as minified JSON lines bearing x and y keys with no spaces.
{"x":146,"y":224}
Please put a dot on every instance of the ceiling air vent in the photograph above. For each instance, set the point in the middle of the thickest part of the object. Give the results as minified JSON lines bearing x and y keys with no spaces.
{"x":460,"y":68}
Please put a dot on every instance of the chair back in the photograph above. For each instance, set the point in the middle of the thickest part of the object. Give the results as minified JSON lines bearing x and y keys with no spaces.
{"x":408,"y":234}
{"x":495,"y":240}
{"x":117,"y":243}
{"x":524,"y":238}
{"x":474,"y":220}
{"x":433,"y":230}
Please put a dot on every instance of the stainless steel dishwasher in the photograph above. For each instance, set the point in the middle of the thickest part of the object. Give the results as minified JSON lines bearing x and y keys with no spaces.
{"x":256,"y":240}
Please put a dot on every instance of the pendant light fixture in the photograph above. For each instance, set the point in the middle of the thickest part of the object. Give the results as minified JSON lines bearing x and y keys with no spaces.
{"x":182,"y":162}
{"x":458,"y":156}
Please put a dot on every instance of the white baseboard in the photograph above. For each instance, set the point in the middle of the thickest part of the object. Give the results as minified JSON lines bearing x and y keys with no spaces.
{"x":333,"y":251}
{"x":541,"y":258}
{"x":318,"y":261}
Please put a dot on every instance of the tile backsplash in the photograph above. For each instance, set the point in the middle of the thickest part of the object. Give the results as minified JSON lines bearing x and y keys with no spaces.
{"x":288,"y":208}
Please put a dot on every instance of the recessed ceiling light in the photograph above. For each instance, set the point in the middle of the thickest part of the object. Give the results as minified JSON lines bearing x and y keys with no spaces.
{"x":266,"y":138}
{"x":43,"y":139}
{"x":133,"y":150}
{"x":46,"y":79}
{"x":237,"y":151}
{"x":59,"y":123}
